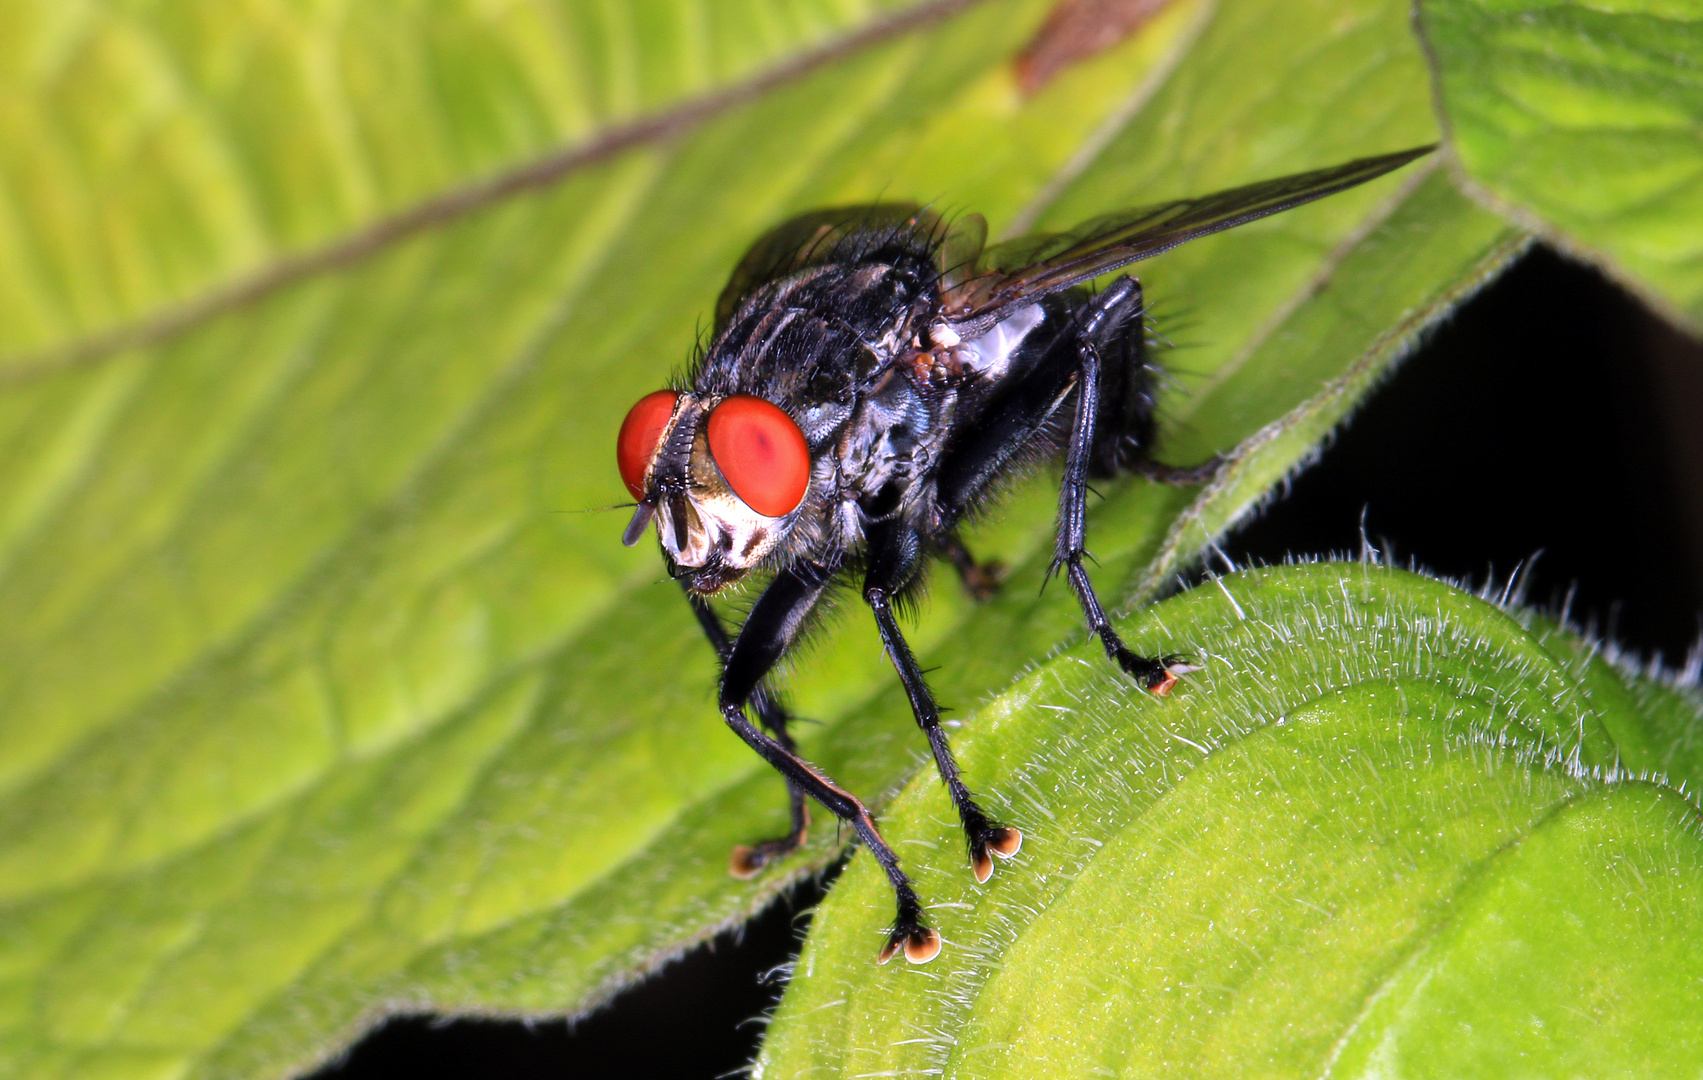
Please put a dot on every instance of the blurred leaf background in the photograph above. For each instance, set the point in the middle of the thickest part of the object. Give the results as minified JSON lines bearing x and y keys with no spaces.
{"x":327,"y":690}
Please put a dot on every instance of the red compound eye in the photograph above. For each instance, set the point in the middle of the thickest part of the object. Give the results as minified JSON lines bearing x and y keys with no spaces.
{"x":761,"y":453}
{"x":640,"y":432}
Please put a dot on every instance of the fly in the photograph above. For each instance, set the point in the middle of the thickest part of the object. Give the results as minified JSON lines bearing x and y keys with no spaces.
{"x":873,"y":373}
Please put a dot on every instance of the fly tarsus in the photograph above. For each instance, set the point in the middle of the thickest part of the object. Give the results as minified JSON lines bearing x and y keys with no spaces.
{"x":1178,"y":475}
{"x":985,"y":838}
{"x":1157,"y":675}
{"x":920,"y":942}
{"x":749,"y":860}
{"x":1001,"y":840}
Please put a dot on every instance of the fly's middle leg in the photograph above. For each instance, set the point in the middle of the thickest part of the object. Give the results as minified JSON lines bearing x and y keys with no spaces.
{"x":893,"y":552}
{"x":981,"y":579}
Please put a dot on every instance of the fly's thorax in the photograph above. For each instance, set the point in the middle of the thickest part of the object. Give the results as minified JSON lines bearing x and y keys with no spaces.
{"x":893,"y":440}
{"x":990,"y":353}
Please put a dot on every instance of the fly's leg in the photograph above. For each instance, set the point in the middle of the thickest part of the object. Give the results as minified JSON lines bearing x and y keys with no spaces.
{"x":893,"y":555}
{"x":1157,"y":674}
{"x":748,"y":860}
{"x":769,"y":631}
{"x":1124,"y":422}
{"x":981,"y":579}
{"x":1072,"y":365}
{"x":1177,"y":475}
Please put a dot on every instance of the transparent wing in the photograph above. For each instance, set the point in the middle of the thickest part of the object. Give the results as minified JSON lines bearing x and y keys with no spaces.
{"x":1021,"y":270}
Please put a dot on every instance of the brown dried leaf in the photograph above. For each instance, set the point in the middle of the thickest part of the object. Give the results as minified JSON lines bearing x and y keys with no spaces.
{"x":1076,"y":30}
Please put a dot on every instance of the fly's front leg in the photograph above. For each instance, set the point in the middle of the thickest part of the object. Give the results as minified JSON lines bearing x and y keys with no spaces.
{"x":1157,"y":674}
{"x":769,"y":631}
{"x":893,"y":554}
{"x":748,"y":860}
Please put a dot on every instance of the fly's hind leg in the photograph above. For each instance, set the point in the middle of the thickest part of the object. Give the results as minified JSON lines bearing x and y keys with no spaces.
{"x":1124,"y":421}
{"x":1177,"y":475}
{"x":1124,"y":424}
{"x":748,"y":860}
{"x":1103,"y":313}
{"x":981,"y":579}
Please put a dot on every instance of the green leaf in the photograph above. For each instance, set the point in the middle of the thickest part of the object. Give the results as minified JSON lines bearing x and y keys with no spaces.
{"x":1583,"y":122}
{"x":1652,"y":721}
{"x":258,"y":136}
{"x":323,"y":698}
{"x":1381,"y":833}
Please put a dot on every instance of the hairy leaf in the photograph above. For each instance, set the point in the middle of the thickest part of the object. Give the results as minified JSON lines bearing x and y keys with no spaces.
{"x":1383,"y":832}
{"x":328,"y":690}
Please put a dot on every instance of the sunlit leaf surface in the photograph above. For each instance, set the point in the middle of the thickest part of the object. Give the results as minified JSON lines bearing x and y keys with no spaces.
{"x":1387,"y":831}
{"x":1585,"y":121}
{"x":324,"y":695}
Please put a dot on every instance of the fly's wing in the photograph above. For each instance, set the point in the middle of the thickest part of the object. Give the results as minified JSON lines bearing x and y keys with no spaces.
{"x":805,"y":241}
{"x":960,"y":250}
{"x":1022,"y":270}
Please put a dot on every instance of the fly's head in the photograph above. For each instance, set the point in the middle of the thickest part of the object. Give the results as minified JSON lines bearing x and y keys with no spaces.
{"x":723,"y":477}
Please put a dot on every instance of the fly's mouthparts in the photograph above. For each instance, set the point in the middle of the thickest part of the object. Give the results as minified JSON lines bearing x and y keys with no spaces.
{"x":677,"y":510}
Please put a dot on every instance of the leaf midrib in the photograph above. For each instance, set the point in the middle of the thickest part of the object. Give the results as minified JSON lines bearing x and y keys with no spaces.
{"x":452,"y":205}
{"x":330,"y":566}
{"x":370,"y":242}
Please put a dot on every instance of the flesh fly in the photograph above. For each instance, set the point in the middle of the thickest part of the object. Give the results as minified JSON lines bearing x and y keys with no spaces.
{"x":874,"y":372}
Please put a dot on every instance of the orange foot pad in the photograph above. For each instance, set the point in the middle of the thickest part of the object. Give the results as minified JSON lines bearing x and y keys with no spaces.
{"x":746,"y":862}
{"x":1004,"y":842}
{"x":921,"y":945}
